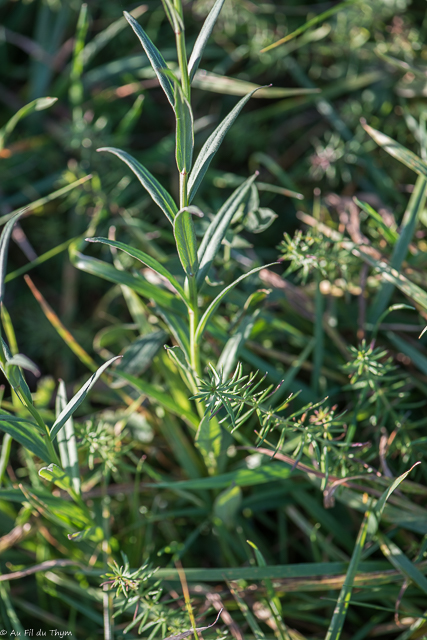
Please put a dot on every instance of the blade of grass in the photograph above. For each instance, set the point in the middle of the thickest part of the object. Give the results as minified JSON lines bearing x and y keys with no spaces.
{"x":410,"y":220}
{"x":310,"y":23}
{"x":401,"y":562}
{"x":340,"y":612}
{"x":42,"y":201}
{"x":397,"y":150}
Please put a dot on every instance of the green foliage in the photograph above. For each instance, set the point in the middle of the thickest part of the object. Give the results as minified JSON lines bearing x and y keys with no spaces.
{"x":288,"y":398}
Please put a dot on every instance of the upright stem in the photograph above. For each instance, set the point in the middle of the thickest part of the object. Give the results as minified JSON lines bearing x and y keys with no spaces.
{"x":182,"y":56}
{"x":190,"y":285}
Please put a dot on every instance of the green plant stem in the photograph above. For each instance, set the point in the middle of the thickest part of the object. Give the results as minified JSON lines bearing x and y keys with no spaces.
{"x":194,"y":344}
{"x":182,"y":56}
{"x":106,"y":552}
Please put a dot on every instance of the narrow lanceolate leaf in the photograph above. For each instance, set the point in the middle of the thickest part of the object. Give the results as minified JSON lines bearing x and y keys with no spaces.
{"x":134,"y":281}
{"x":76,"y":401}
{"x":149,"y":182}
{"x":184,"y":131}
{"x":26,"y":433}
{"x":145,"y":259}
{"x":186,"y":243}
{"x":155,"y":57}
{"x":396,"y":150}
{"x":218,"y":227}
{"x":212,"y":145}
{"x":213,"y":305}
{"x":36,"y":105}
{"x":4,"y":246}
{"x":67,"y":441}
{"x":340,"y":612}
{"x":203,"y":37}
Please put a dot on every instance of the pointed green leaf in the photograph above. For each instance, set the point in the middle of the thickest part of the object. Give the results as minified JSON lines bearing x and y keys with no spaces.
{"x":212,"y":145}
{"x":398,"y":151}
{"x":55,"y":474}
{"x":26,"y":433}
{"x":76,"y":401}
{"x":15,"y":378}
{"x":213,"y":305}
{"x":149,"y":261}
{"x":36,"y":105}
{"x":67,"y":441}
{"x":186,"y":243}
{"x":203,"y":37}
{"x":184,"y":131}
{"x":4,"y":246}
{"x":154,"y":56}
{"x":159,"y":194}
{"x":134,"y":281}
{"x":218,"y":227}
{"x":22,"y":361}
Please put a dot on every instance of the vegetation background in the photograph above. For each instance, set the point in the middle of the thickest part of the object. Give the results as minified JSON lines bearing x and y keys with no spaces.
{"x":336,"y":547}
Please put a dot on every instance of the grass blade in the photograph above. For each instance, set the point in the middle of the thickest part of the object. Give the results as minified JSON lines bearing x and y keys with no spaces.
{"x":401,"y":562}
{"x":36,"y":105}
{"x":159,"y":194}
{"x":154,"y":56}
{"x":145,"y":259}
{"x":340,"y":612}
{"x":4,"y":246}
{"x":212,"y":145}
{"x":309,"y":24}
{"x":203,"y":37}
{"x":42,"y":201}
{"x":397,"y":151}
{"x":213,"y":305}
{"x":218,"y":228}
{"x":410,"y":220}
{"x":67,"y":441}
{"x":76,"y":401}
